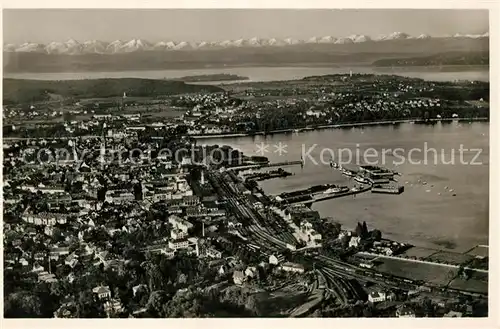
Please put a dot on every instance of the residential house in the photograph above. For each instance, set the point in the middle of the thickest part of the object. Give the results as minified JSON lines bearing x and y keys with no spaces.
{"x":239,"y":277}
{"x":190,"y":200}
{"x":405,"y":312}
{"x":175,"y":210}
{"x":222,"y":269}
{"x":56,"y":252}
{"x":251,"y":272}
{"x":179,"y":223}
{"x":46,"y":277}
{"x":376,"y":296}
{"x":453,"y":314}
{"x":66,"y":310}
{"x":37,"y":268}
{"x":116,"y":265}
{"x":232,"y":224}
{"x":71,"y":260}
{"x":213,"y":253}
{"x":354,"y":242}
{"x":391,"y":296}
{"x":212,"y":129}
{"x":44,"y":218}
{"x":103,"y":257}
{"x":102,"y":292}
{"x":23,"y":261}
{"x":49,"y":230}
{"x":276,"y":259}
{"x":71,"y":277}
{"x":113,"y":306}
{"x":137,"y":288}
{"x":177,"y":234}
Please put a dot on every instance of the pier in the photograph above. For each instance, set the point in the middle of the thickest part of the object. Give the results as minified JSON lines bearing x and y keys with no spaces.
{"x":260,"y":176}
{"x":329,"y":196}
{"x":267,"y":165}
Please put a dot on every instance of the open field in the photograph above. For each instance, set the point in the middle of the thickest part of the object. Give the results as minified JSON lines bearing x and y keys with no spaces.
{"x":449,"y":258}
{"x":434,"y":274}
{"x":477,"y":283}
{"x":419,"y":252}
{"x":479,"y":251}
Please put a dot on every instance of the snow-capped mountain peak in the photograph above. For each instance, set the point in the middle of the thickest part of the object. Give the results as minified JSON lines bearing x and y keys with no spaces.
{"x":163,"y":45}
{"x":72,"y":42}
{"x":341,"y":41}
{"x":357,"y":38}
{"x":204,"y":44}
{"x":471,"y":36}
{"x":183,"y":45}
{"x":74,"y":47}
{"x":240,"y":43}
{"x":94,"y":47}
{"x":424,"y":36}
{"x":276,"y":42}
{"x":255,"y":42}
{"x":226,"y":43}
{"x":114,"y":47}
{"x":313,"y":40}
{"x":135,"y":45}
{"x":392,"y":36}
{"x":55,"y":48}
{"x":9,"y":47}
{"x":291,"y":41}
{"x":327,"y":39}
{"x":31,"y":47}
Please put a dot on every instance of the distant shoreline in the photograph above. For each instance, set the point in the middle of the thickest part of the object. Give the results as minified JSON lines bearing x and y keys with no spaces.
{"x":287,"y":131}
{"x":335,"y":126}
{"x":431,"y":68}
{"x":220,"y":77}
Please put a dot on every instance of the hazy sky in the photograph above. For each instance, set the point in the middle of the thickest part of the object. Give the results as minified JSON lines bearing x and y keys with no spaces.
{"x":44,"y":25}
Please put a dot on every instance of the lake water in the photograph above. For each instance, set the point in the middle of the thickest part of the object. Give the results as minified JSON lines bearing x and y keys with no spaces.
{"x":264,"y":73}
{"x":426,"y":215}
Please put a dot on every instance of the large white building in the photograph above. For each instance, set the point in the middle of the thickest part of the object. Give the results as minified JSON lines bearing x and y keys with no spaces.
{"x":179,"y":223}
{"x":178,"y":244}
{"x":119,"y":196}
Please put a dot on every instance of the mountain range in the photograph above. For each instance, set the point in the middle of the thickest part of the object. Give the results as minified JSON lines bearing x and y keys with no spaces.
{"x":73,"y":47}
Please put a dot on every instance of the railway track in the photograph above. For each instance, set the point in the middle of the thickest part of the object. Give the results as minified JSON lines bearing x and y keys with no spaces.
{"x":343,"y":289}
{"x":267,"y":238}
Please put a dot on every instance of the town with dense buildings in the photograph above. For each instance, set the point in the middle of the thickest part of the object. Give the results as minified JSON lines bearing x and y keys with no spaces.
{"x":112,"y":207}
